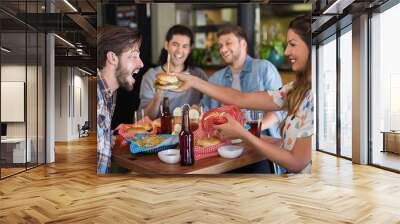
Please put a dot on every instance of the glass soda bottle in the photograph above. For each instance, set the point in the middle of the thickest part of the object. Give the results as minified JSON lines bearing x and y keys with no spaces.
{"x":166,"y":118}
{"x":186,"y":140}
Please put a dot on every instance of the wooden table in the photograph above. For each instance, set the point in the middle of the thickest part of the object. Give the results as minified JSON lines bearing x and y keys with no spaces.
{"x":151,"y":164}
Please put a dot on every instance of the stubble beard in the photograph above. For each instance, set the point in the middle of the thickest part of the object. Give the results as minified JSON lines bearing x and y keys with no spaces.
{"x":233,"y":57}
{"x":125,"y":78}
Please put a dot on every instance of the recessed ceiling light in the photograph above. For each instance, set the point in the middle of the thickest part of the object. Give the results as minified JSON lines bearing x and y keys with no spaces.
{"x":70,"y":5}
{"x":337,"y":7}
{"x":5,"y":50}
{"x":84,"y":71}
{"x":64,"y":40}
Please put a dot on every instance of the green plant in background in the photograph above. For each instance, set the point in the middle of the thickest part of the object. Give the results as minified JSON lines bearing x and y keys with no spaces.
{"x":278,"y":46}
{"x":265,"y":51}
{"x":214,"y":54}
{"x":198,"y":55}
{"x":207,"y":56}
{"x":273,"y":41}
{"x":277,"y":56}
{"x":274,"y":52}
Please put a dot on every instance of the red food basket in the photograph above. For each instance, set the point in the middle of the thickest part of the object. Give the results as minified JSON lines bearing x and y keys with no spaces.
{"x":205,"y":152}
{"x":208,"y":123}
{"x":122,"y":130}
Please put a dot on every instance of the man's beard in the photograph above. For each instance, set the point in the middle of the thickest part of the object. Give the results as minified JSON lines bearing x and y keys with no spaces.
{"x":124,"y":78}
{"x":233,"y":58}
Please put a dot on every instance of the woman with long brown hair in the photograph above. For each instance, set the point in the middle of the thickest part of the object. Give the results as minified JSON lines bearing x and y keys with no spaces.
{"x":293,"y":151}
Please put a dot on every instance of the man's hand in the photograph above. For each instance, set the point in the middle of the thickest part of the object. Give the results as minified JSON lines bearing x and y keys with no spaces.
{"x":159,"y":93}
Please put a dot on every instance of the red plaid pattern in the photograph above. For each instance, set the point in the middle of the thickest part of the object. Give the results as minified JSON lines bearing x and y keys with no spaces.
{"x":208,"y":124}
{"x":205,"y":152}
{"x":122,"y":129}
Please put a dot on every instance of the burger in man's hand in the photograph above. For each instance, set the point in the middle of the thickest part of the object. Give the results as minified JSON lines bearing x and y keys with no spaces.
{"x":167,"y":82}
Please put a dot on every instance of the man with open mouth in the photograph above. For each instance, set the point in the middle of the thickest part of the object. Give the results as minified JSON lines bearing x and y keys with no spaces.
{"x":118,"y":58}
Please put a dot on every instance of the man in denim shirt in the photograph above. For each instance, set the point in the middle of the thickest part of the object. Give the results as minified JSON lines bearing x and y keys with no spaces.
{"x":118,"y":58}
{"x":244,"y":73}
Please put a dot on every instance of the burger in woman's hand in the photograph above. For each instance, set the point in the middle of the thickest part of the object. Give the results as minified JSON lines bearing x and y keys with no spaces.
{"x":167,"y":82}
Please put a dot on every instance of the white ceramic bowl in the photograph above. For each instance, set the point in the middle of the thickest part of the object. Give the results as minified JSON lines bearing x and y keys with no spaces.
{"x":230,"y":151}
{"x":170,"y":156}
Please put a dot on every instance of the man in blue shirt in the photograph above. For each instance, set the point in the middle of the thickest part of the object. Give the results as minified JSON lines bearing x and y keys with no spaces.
{"x":244,"y":73}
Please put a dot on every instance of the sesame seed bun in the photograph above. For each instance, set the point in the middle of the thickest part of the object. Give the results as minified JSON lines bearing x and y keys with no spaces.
{"x":206,"y":142}
{"x":136,"y":130}
{"x":166,"y":81}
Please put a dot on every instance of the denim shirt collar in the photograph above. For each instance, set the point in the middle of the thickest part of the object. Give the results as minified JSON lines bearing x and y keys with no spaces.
{"x":246,"y":68}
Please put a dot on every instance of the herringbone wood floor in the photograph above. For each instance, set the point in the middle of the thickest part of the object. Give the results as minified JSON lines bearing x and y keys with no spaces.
{"x":69,"y":191}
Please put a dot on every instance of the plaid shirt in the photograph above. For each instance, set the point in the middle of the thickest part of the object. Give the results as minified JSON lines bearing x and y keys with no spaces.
{"x":105,"y":110}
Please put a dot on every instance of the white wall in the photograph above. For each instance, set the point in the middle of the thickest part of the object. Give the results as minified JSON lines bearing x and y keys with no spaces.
{"x":80,"y":115}
{"x":71,"y":93}
{"x":16,"y":73}
{"x":160,"y":26}
{"x":314,"y":90}
{"x":61,"y":103}
{"x":33,"y":127}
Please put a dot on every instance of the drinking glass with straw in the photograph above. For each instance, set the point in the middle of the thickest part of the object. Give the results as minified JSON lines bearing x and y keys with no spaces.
{"x":135,"y":117}
{"x":201,"y":112}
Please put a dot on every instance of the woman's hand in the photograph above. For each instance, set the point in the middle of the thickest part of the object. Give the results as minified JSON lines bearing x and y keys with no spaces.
{"x":187,"y":81}
{"x":230,"y":130}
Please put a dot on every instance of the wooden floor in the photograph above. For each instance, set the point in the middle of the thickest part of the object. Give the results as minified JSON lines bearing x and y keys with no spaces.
{"x":69,"y":191}
{"x":10,"y":171}
{"x":5,"y":172}
{"x":387,"y":159}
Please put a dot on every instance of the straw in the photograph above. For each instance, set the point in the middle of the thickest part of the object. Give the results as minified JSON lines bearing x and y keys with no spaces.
{"x":168,"y":62}
{"x":142,"y":113}
{"x":260,"y":118}
{"x":135,"y":116}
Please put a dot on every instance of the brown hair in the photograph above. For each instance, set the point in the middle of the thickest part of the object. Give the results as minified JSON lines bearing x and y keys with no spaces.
{"x":301,"y":26}
{"x":236,"y":30}
{"x":177,"y":30}
{"x":115,"y":39}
